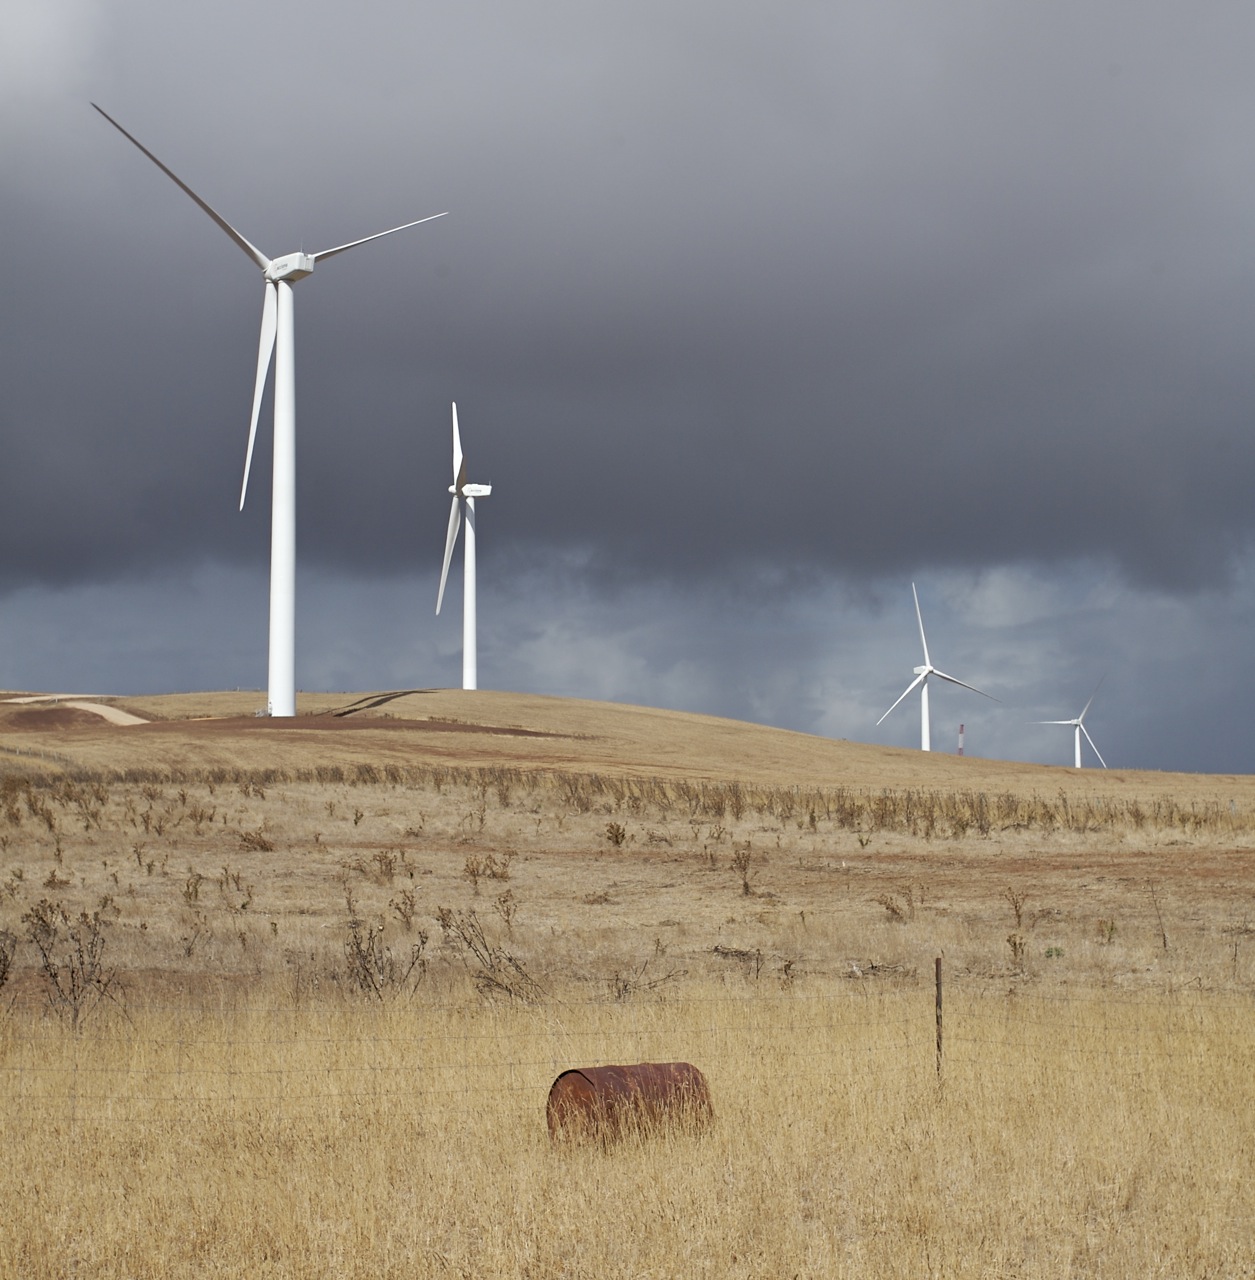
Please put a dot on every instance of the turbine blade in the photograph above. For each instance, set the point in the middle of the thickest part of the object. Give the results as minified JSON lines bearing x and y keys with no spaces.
{"x":459,"y":459}
{"x":927,"y":660}
{"x":941,"y":675}
{"x":1090,"y":703}
{"x":1071,"y":722}
{"x":265,"y":349}
{"x":352,"y":244}
{"x":914,"y":683}
{"x":253,"y":252}
{"x":455,"y":523}
{"x":1090,"y":740}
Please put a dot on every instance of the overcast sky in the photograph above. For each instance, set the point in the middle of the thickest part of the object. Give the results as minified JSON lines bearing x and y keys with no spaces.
{"x":754,"y":315}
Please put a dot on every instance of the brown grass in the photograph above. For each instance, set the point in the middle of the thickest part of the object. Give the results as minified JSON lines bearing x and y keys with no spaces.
{"x":1095,"y":1136}
{"x":612,"y":884}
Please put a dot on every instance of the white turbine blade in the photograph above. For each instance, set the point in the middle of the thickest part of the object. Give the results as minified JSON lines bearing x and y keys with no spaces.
{"x":1090,"y":740}
{"x":1071,"y":722}
{"x":455,"y":522}
{"x":459,"y":459}
{"x":941,"y":675}
{"x":265,"y":349}
{"x":920,"y":617}
{"x":352,"y":244}
{"x":253,"y":252}
{"x":1090,"y":703}
{"x":914,"y":684}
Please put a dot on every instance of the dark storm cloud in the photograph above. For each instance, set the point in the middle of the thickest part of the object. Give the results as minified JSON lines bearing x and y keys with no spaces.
{"x":856,"y":285}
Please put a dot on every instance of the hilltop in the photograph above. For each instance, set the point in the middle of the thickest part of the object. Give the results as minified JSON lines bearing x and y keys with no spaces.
{"x":483,"y":729}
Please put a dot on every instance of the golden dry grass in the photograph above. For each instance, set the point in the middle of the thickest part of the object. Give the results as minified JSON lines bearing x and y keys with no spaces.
{"x":254,"y":1096}
{"x":1091,"y":1137}
{"x":485,"y":729}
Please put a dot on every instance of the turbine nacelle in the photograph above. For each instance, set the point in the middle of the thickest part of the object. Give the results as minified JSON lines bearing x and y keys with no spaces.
{"x":921,"y":671}
{"x":471,"y":490}
{"x":291,"y":267}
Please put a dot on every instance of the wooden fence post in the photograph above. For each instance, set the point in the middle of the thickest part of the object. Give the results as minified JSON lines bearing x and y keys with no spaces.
{"x":938,"y":967}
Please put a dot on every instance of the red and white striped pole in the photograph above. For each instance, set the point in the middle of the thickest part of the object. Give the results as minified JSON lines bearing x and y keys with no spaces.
{"x":960,"y":739}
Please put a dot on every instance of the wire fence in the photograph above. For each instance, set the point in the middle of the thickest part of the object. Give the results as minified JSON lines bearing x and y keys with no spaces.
{"x":441,"y":1060}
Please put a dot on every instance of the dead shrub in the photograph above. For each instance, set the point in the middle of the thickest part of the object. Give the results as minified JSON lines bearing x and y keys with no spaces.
{"x":371,"y":966}
{"x":405,"y":905}
{"x":627,"y":983}
{"x":488,"y":866}
{"x":71,"y":955}
{"x":8,"y":949}
{"x":742,"y":860}
{"x":494,"y":970}
{"x":1015,"y":899}
{"x":900,"y":909}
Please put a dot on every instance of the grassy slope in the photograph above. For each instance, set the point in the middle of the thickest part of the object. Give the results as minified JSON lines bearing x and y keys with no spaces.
{"x":254,"y":1113}
{"x":578,"y":736}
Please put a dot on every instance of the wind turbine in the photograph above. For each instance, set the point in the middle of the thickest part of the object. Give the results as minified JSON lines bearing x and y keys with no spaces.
{"x":277,"y":339}
{"x":921,"y":682}
{"x":463,"y":495}
{"x":1078,"y":723}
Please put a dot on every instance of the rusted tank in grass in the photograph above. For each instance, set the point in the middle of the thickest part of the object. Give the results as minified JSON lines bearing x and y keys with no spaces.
{"x":604,"y":1103}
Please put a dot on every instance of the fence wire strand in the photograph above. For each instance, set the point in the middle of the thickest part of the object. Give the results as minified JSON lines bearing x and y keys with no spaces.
{"x":121,"y":1075}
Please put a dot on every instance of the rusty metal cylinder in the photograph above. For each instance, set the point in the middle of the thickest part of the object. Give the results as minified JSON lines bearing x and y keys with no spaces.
{"x":607,"y":1102}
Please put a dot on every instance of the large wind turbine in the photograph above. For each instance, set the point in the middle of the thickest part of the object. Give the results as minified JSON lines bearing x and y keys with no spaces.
{"x":463,"y":495}
{"x":921,"y":681}
{"x":1078,"y":723}
{"x":277,"y":338}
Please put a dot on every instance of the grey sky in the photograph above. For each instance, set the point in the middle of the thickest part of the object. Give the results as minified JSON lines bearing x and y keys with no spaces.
{"x":753,"y":315}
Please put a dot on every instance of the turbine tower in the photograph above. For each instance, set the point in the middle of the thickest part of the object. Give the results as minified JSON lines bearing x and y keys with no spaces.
{"x":921,"y":682}
{"x":1078,"y":724}
{"x":463,"y":495}
{"x":277,"y":339}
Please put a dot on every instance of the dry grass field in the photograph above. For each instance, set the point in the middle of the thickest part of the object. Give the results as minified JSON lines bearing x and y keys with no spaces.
{"x":285,"y":999}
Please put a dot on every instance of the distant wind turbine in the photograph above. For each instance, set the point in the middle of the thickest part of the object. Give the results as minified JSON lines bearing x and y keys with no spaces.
{"x":463,"y":495}
{"x":277,"y":338}
{"x":921,"y":682}
{"x":1078,"y":724}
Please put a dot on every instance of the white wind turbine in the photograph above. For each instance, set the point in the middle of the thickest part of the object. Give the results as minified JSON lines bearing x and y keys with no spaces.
{"x":463,"y":495}
{"x":277,"y":338}
{"x":1078,"y":724}
{"x":921,"y":682}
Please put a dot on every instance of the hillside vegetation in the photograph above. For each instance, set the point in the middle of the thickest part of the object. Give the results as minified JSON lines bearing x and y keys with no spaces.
{"x":286,"y":998}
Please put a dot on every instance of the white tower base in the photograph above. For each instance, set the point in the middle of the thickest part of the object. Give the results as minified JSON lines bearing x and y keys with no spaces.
{"x":281,"y":700}
{"x":470,"y":654}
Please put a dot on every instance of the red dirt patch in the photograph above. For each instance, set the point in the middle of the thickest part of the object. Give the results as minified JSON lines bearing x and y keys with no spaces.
{"x":31,"y":718}
{"x":238,"y":724}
